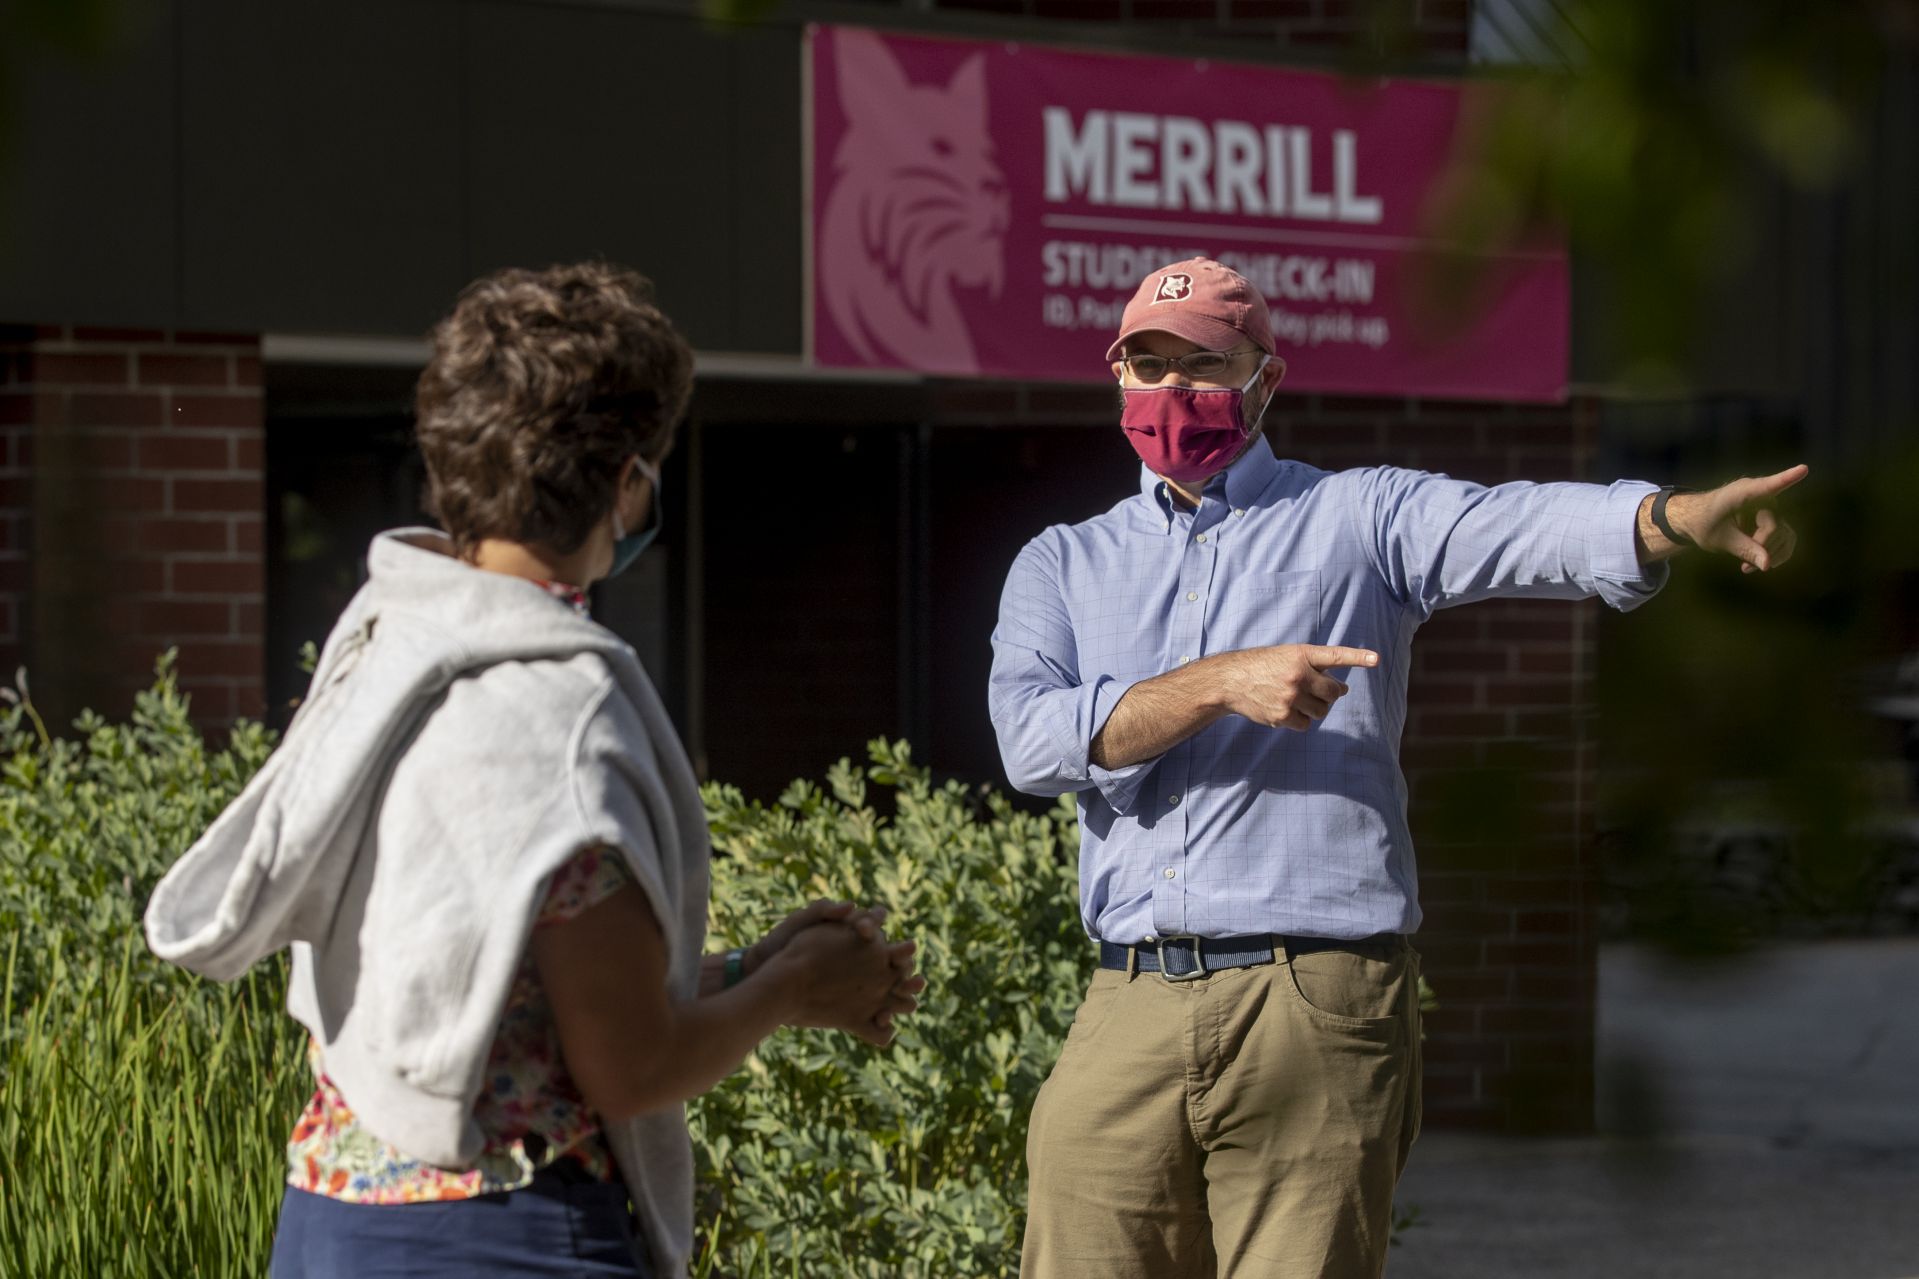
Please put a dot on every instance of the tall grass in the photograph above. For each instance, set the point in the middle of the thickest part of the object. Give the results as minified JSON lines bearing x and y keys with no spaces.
{"x":143,"y":1122}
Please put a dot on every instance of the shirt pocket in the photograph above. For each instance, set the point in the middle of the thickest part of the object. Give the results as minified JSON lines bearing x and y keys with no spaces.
{"x":1261,"y":608}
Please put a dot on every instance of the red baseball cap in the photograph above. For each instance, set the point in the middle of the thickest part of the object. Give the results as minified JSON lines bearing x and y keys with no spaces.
{"x":1201,"y":301}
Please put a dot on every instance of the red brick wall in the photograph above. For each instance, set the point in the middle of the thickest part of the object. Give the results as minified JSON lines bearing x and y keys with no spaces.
{"x":1497,"y":752}
{"x":132,"y":508}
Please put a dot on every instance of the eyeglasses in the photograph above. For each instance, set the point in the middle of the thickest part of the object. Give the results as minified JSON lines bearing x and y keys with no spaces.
{"x":1203,"y":364}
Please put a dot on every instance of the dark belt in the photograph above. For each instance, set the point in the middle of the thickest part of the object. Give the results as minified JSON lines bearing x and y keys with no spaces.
{"x":1187,"y":958}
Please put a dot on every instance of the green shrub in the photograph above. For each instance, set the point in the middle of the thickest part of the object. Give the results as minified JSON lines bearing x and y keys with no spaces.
{"x":913,"y":1158}
{"x":144,"y":1113}
{"x":88,"y":824}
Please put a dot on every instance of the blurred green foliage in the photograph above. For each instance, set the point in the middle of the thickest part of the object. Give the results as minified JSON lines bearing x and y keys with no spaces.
{"x":33,"y":31}
{"x":1747,"y":788}
{"x":1755,"y":783}
{"x":1650,"y":133}
{"x":1758,"y":741}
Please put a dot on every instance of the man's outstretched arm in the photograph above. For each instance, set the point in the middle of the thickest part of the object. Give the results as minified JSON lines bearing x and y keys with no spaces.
{"x":1736,"y":518}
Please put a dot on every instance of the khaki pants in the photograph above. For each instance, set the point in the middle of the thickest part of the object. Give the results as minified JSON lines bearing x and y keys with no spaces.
{"x":1250,"y":1123}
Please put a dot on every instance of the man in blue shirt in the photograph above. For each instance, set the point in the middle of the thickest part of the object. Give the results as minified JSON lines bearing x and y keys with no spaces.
{"x":1240,"y":1087}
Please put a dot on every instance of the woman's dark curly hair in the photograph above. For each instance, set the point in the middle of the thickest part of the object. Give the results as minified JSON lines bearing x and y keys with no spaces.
{"x":541,"y":385}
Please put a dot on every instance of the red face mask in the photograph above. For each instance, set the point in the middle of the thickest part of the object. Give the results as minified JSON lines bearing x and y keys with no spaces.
{"x":1187,"y":433}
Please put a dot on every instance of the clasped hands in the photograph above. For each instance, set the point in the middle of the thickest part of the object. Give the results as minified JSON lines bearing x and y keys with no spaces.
{"x":848,"y":975}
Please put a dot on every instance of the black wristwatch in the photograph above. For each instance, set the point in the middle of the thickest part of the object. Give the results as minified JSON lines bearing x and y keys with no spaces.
{"x":1659,"y":520}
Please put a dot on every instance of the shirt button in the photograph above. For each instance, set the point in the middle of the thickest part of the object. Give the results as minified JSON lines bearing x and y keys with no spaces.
{"x":1171,"y":873}
{"x":1183,"y":659}
{"x":1200,"y":538}
{"x":1151,"y":939}
{"x":1238,"y":513}
{"x":1191,"y":596}
{"x":1173,"y":800}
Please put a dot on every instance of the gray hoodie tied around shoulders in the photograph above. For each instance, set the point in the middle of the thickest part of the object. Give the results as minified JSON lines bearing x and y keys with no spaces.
{"x":464,"y":735}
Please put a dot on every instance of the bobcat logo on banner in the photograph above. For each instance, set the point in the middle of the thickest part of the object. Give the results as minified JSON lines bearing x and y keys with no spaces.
{"x":916,"y":212}
{"x":986,"y":208}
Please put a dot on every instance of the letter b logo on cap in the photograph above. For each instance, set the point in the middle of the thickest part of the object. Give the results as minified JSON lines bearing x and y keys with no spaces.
{"x":1174,"y":286}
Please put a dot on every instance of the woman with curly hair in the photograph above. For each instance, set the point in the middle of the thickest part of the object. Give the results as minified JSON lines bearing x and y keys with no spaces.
{"x":486,"y":848}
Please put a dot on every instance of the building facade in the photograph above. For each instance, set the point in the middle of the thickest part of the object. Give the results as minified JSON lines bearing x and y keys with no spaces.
{"x":225,"y":235}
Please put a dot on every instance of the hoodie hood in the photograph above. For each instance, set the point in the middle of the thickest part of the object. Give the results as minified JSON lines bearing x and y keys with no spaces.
{"x":268,"y":872}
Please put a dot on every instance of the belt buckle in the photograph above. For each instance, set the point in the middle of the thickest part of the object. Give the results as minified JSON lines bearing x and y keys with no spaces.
{"x":1199,"y":959}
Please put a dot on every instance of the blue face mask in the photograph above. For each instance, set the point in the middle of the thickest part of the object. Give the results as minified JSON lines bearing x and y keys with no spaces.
{"x":627,"y":546}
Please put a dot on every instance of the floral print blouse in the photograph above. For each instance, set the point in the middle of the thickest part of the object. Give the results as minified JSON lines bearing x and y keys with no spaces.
{"x":528,"y":1107}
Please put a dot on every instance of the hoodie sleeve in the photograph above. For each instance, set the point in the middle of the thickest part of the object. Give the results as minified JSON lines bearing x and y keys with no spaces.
{"x":262,"y":875}
{"x":623,"y":799}
{"x":213,"y":912}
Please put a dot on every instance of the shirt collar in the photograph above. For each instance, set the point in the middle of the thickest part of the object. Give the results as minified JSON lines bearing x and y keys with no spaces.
{"x":1247,"y":478}
{"x":567,"y":594}
{"x":1238,"y":485}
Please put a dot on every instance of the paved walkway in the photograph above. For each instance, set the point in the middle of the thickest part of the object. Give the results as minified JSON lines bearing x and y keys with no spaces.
{"x":1783,"y":1098}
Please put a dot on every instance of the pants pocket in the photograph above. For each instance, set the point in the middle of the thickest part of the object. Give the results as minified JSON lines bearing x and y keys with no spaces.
{"x":1359,"y":987}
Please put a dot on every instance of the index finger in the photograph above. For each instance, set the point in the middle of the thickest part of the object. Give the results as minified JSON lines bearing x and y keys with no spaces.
{"x":1769,"y":485}
{"x":1326,"y":656}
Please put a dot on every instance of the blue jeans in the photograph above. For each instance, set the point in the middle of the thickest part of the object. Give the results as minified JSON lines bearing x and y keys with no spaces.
{"x":552,"y":1227}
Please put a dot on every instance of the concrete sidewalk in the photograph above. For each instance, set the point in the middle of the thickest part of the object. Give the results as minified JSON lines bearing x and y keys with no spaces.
{"x":1784,"y":1092}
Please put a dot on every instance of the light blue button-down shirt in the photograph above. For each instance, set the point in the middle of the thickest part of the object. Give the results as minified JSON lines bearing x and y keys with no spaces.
{"x":1242,"y":828}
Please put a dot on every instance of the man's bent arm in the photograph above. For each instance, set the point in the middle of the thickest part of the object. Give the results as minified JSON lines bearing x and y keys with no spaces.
{"x":1158,"y":714}
{"x":1061,"y":730}
{"x":1044,"y":712}
{"x":1284,"y":686}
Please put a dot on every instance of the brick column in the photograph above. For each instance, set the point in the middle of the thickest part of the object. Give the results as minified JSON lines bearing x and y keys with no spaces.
{"x":135,"y":490}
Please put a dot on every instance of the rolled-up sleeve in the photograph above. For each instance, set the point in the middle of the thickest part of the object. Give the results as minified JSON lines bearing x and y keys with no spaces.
{"x":1045,"y":715}
{"x":1441,"y":542}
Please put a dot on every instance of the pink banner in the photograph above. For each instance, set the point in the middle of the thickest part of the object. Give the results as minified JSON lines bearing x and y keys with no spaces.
{"x":987,"y":208}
